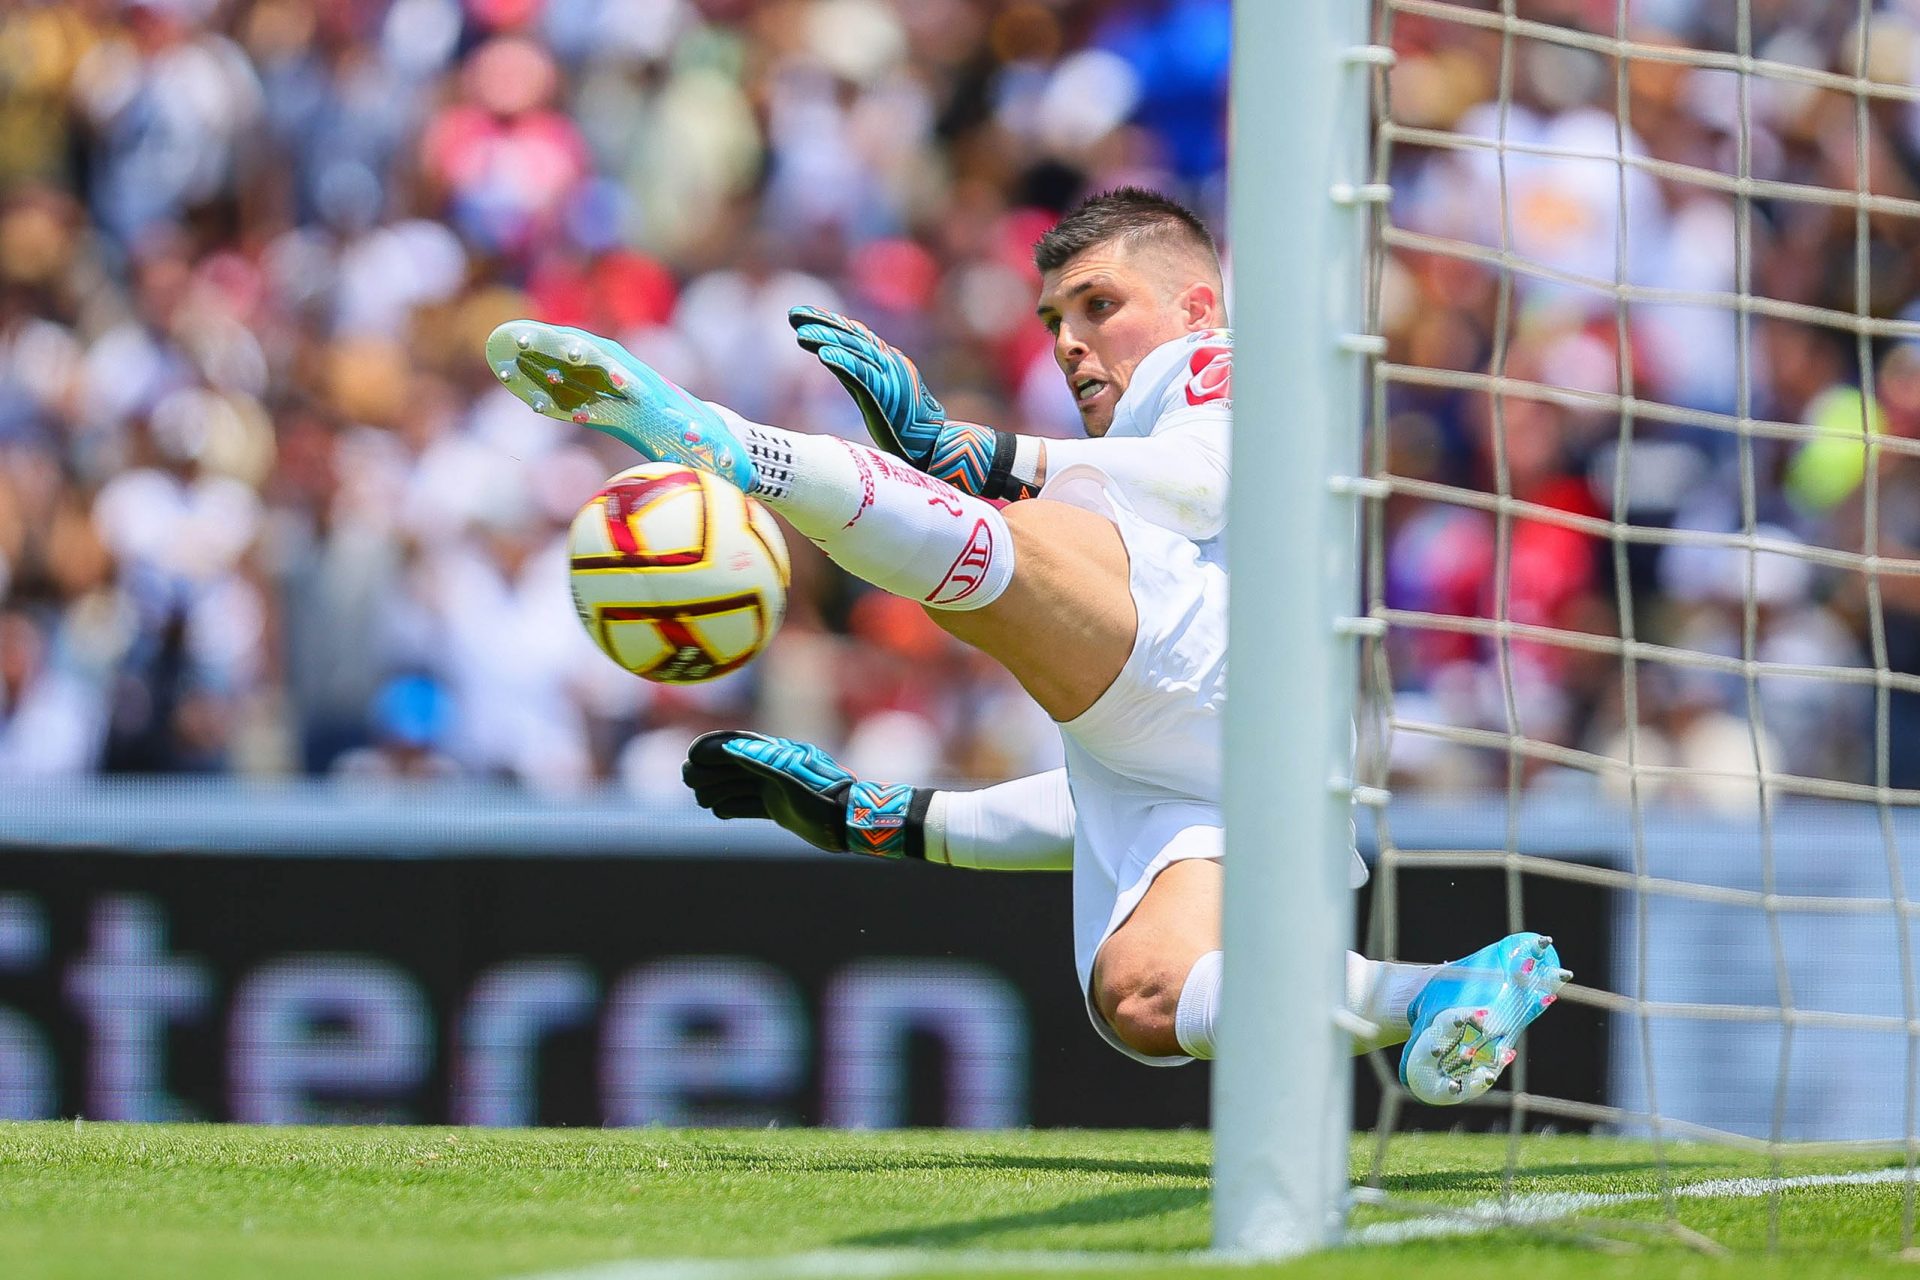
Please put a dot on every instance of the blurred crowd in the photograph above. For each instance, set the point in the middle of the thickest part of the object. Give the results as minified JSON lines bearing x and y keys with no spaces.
{"x":262,"y":510}
{"x":1578,"y":225}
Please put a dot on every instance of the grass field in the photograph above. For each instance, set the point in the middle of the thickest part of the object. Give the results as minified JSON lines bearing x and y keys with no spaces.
{"x":211,"y":1202}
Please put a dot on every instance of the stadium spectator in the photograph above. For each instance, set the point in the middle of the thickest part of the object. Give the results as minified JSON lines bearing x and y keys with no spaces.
{"x":253,"y":474}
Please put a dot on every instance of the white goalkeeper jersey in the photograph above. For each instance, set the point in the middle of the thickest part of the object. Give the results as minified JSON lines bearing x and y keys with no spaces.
{"x":1141,"y":789}
{"x":1164,"y":464}
{"x":1168,"y":451}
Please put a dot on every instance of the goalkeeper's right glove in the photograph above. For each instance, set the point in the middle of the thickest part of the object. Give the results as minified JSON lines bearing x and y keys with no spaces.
{"x":902,"y":416}
{"x":737,"y":774}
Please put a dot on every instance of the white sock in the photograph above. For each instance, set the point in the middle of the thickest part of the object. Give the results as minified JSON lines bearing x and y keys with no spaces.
{"x":1199,"y":1002}
{"x":879,"y":519}
{"x":1380,"y":991}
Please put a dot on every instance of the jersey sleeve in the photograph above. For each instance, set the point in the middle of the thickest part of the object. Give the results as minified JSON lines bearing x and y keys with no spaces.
{"x":1175,"y":478}
{"x":1022,"y":825}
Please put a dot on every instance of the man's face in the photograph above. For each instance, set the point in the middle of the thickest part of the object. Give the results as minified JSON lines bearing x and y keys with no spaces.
{"x":1107,"y":307}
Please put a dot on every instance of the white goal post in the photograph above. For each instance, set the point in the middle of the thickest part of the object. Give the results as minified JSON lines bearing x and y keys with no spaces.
{"x":1296,"y":219}
{"x":1634,"y":348}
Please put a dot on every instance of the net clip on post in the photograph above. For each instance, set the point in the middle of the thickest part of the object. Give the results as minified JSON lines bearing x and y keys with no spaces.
{"x":1355,"y":1025}
{"x":1349,"y":193}
{"x":1371,"y":797}
{"x":1359,"y":487}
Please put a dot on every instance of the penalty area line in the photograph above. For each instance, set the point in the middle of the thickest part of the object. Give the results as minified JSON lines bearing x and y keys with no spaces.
{"x":1538,"y":1209}
{"x":1543,"y":1208}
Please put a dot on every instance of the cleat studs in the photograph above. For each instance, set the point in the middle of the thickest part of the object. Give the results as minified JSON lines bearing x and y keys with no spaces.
{"x":1456,"y":1087}
{"x":1479,"y":1015}
{"x":618,"y":380}
{"x":575,"y":354}
{"x":581,"y":417}
{"x":523,"y":339}
{"x":506,"y":372}
{"x":1437,"y":1051}
{"x":1526,"y":966}
{"x":553,"y":377}
{"x":1546,"y":940}
{"x":1547,"y":1000}
{"x":541,"y":404}
{"x":1506,"y":1059}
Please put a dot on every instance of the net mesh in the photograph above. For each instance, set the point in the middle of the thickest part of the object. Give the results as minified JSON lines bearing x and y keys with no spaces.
{"x":1642,"y":516}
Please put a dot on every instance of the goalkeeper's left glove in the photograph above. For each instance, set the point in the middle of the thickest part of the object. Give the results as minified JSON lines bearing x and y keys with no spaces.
{"x":902,"y":416}
{"x":737,"y":774}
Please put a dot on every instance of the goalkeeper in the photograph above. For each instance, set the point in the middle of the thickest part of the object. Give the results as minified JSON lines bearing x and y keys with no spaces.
{"x":1104,"y":595}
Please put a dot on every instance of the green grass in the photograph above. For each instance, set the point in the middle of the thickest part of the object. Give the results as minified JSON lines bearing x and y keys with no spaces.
{"x":214,"y":1201}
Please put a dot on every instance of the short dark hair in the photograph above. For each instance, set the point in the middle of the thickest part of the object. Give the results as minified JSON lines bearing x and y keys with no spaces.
{"x":1133,"y":214}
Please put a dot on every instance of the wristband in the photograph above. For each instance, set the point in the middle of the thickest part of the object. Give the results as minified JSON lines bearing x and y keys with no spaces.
{"x":1015,"y":460}
{"x":930,"y":830}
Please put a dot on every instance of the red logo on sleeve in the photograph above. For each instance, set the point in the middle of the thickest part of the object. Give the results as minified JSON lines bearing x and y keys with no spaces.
{"x":1210,"y":375}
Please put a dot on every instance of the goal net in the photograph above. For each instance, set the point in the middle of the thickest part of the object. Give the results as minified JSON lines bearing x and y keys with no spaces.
{"x":1641,"y":503}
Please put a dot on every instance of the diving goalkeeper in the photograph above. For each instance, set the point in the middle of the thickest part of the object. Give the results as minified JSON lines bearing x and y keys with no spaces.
{"x":1101,"y":586}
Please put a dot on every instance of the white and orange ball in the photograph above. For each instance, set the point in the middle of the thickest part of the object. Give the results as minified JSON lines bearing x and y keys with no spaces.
{"x":677,"y":575}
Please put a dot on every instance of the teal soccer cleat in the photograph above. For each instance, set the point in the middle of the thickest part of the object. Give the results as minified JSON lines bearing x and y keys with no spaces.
{"x":1469,"y":1016}
{"x":583,"y":378}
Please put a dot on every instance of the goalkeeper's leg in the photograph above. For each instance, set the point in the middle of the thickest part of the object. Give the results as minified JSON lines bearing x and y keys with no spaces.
{"x":1156,"y":982}
{"x":1042,"y":588}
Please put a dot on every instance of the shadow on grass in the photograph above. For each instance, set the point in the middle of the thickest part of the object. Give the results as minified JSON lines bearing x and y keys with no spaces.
{"x":1493,"y":1179}
{"x":895,"y":1161}
{"x":1094,"y":1211}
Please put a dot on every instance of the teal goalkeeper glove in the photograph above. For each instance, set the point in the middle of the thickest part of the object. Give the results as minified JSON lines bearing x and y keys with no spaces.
{"x":902,"y":416}
{"x":737,"y":774}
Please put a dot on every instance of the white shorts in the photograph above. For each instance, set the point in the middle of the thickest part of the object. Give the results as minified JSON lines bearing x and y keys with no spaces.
{"x":1144,"y":760}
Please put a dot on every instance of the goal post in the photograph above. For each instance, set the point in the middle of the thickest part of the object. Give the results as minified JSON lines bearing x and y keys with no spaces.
{"x":1641,"y":469}
{"x":1296,"y":217}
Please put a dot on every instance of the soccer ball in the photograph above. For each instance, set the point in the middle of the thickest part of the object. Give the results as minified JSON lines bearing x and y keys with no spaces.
{"x":677,"y":575}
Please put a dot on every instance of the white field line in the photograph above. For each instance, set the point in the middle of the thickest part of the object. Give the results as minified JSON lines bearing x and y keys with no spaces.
{"x":1541,"y":1209}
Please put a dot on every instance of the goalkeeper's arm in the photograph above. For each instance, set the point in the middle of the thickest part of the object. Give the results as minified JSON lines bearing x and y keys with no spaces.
{"x":1177,"y":477}
{"x":907,"y":420}
{"x":1022,"y":825}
